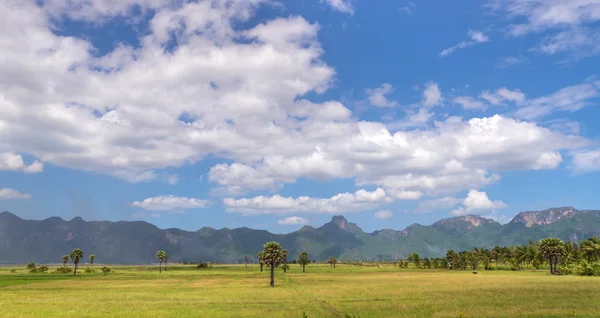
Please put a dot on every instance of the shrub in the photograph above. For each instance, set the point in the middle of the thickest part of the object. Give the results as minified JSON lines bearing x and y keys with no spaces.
{"x":203,"y":265}
{"x":565,"y":269}
{"x":586,"y":268}
{"x":13,"y":271}
{"x":31,"y":267}
{"x":105,"y":270}
{"x":42,"y":269}
{"x":64,"y":270}
{"x":89,"y":270}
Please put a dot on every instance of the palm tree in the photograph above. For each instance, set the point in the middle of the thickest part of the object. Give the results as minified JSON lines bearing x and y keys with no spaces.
{"x":259,"y":255}
{"x":591,"y":249}
{"x":65,"y":259}
{"x":303,"y":260}
{"x":272,"y":256}
{"x":246,"y":260}
{"x":76,"y":255}
{"x":552,"y":249}
{"x":92,"y":258}
{"x":160,"y":256}
{"x":284,"y":260}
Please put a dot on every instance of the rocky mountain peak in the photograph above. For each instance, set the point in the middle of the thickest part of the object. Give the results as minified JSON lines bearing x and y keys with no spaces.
{"x":549,"y":216}
{"x":340,"y":222}
{"x":471,"y":220}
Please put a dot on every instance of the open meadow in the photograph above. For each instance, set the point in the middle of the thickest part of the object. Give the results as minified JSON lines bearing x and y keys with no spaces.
{"x":346,"y":291}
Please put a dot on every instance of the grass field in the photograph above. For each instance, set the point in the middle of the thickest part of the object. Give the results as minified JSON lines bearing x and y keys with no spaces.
{"x":234,"y":291}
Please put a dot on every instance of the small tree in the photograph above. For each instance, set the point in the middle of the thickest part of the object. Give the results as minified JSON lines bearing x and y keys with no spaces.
{"x":76,"y":255}
{"x":105,"y":270}
{"x":31,"y":267}
{"x":160,"y":256}
{"x":92,"y":259}
{"x":65,"y":259}
{"x":334,"y":261}
{"x":272,"y":256}
{"x":259,"y":255}
{"x":415,"y":259}
{"x":246,"y":260}
{"x":303,"y":260}
{"x":330,"y":261}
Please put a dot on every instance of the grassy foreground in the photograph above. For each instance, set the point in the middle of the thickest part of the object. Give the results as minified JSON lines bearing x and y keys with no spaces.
{"x":234,"y":291}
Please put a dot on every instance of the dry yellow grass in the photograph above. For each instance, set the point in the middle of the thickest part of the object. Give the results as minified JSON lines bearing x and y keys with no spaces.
{"x":233,"y":291}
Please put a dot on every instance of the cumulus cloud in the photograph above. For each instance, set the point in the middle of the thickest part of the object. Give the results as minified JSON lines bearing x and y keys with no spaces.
{"x":344,"y":202}
{"x":232,"y":91}
{"x":292,"y":220}
{"x":10,"y":194}
{"x":170,"y":203}
{"x":478,"y":202}
{"x":377,"y":96}
{"x":340,"y":5}
{"x":477,"y":37}
{"x":383,"y":214}
{"x":13,"y":162}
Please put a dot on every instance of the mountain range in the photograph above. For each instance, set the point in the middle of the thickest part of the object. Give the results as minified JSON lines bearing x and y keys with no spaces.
{"x":124,"y":242}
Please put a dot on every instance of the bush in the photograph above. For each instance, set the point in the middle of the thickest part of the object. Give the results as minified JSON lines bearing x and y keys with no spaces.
{"x":204,"y":265}
{"x":565,"y":269}
{"x":42,"y":269}
{"x":89,"y":270}
{"x":105,"y":270}
{"x":586,"y":268}
{"x":13,"y":271}
{"x":64,"y":270}
{"x":31,"y":267}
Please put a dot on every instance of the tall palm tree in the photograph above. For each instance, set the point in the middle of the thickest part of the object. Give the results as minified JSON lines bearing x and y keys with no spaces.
{"x":272,"y":256}
{"x":303,"y":260}
{"x":65,"y":259}
{"x":553,"y":250}
{"x":76,"y":255}
{"x":160,"y":256}
{"x":246,"y":260}
{"x":92,"y":258}
{"x":259,"y":255}
{"x":590,"y":249}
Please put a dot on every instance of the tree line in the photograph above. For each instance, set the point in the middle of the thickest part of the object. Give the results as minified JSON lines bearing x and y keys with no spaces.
{"x":562,"y":258}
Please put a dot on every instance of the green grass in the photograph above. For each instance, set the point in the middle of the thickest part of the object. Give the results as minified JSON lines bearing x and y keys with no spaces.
{"x":234,"y":291}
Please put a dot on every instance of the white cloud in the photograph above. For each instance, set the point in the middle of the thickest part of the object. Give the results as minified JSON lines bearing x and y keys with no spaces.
{"x":344,"y":202}
{"x":432,"y":95}
{"x":586,"y":161}
{"x":574,"y":23}
{"x":549,"y":14}
{"x":13,"y":162}
{"x":10,"y":194}
{"x":508,"y":61}
{"x":568,"y":99}
{"x":408,"y":9}
{"x":377,"y":96}
{"x":576,"y":41}
{"x":292,"y":220}
{"x":384,"y":215}
{"x":502,"y":95}
{"x":477,"y":37}
{"x":468,"y":102}
{"x":170,"y":203}
{"x":340,"y":5}
{"x":477,"y":202}
{"x":232,"y":92}
{"x":428,"y":206}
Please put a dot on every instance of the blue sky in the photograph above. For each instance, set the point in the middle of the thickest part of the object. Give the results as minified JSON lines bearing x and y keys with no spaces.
{"x":276,"y":114}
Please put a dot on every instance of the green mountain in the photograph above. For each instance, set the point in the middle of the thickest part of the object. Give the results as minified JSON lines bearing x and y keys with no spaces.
{"x":46,"y":241}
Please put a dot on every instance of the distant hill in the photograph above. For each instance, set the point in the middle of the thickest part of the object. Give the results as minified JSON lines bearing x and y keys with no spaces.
{"x":46,"y":241}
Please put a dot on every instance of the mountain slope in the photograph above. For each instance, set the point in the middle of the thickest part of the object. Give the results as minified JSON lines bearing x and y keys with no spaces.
{"x":136,"y":242}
